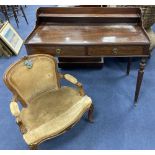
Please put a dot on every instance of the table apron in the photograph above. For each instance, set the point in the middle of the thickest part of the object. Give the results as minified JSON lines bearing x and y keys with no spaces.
{"x":98,"y":51}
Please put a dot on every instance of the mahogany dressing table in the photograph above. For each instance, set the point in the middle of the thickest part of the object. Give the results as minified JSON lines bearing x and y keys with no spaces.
{"x":91,"y":32}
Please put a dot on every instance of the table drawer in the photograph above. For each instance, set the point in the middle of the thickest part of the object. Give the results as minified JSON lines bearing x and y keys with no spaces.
{"x":116,"y":50}
{"x":57,"y":50}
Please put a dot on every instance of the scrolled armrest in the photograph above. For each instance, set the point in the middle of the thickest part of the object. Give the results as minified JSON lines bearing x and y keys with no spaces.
{"x":74,"y":81}
{"x":16,"y":113}
{"x":70,"y":78}
{"x":14,"y":109}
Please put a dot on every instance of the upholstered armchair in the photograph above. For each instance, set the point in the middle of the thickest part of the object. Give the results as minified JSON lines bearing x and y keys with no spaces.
{"x":48,"y":109}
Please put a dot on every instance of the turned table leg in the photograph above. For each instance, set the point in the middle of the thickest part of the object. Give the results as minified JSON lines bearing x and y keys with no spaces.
{"x":140,"y":78}
{"x":128,"y":66}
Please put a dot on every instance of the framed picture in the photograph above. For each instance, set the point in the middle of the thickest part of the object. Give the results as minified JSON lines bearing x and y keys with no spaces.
{"x":11,"y":38}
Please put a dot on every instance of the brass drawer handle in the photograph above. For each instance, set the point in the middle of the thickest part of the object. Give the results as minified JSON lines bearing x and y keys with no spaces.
{"x":58,"y":51}
{"x":115,"y":51}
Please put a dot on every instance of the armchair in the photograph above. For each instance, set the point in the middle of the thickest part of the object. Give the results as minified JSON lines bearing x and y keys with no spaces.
{"x":48,"y":110}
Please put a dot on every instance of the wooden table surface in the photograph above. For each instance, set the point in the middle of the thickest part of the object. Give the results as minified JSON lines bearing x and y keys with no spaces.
{"x":89,"y":34}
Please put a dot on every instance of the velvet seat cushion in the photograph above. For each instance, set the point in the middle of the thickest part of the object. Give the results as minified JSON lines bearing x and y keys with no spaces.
{"x":51,"y":112}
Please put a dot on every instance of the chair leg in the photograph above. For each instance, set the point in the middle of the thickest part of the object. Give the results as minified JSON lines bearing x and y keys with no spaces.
{"x":33,"y":147}
{"x":15,"y":15}
{"x":90,"y":113}
{"x":21,"y":8}
{"x":4,"y":10}
{"x":149,"y":55}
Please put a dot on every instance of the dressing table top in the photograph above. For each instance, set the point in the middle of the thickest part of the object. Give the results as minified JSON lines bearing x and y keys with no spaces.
{"x":88,"y":34}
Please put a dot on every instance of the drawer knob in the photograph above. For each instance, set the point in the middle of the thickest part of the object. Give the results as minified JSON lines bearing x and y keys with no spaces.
{"x":58,"y":51}
{"x":114,"y":51}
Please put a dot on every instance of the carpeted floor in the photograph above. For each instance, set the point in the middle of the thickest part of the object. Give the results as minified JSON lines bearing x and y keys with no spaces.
{"x":118,"y":124}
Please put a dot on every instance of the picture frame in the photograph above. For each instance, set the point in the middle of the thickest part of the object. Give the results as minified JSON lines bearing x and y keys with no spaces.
{"x":11,"y":38}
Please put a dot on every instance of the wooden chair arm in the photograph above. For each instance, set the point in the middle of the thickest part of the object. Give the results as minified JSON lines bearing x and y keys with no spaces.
{"x":70,"y":78}
{"x":74,"y":81}
{"x":14,"y":109}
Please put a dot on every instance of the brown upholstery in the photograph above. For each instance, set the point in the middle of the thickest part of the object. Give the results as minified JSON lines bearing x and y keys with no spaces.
{"x":62,"y":119}
{"x":30,"y":82}
{"x":48,"y":109}
{"x":48,"y":106}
